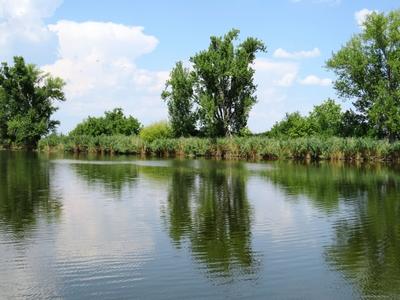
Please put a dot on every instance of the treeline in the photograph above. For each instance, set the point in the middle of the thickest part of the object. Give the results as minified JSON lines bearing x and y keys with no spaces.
{"x":325,"y":120}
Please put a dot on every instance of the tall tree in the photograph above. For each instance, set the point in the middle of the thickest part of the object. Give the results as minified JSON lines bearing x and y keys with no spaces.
{"x":27,"y":98}
{"x":368,"y":70}
{"x":179,"y":96}
{"x":220,"y":88}
{"x":224,"y":83}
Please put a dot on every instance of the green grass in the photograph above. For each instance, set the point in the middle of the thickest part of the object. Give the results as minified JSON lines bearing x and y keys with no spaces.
{"x":255,"y":147}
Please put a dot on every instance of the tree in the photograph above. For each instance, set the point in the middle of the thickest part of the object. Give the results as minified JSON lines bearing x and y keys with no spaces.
{"x":294,"y":125}
{"x":325,"y":119}
{"x":179,"y":96}
{"x":353,"y":125}
{"x":114,"y":122}
{"x":220,"y":87}
{"x":27,"y":98}
{"x":368,"y":70}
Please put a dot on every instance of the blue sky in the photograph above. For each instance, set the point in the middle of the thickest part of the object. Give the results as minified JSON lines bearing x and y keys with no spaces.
{"x":119,"y":53}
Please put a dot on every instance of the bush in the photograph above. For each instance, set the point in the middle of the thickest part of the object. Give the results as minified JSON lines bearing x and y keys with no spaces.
{"x":113,"y":123}
{"x":159,"y":130}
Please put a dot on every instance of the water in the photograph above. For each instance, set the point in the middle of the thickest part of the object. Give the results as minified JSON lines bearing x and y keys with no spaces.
{"x":123,"y":228}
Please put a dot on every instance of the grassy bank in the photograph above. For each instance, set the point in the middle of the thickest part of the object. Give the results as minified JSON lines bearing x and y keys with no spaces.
{"x":235,"y":147}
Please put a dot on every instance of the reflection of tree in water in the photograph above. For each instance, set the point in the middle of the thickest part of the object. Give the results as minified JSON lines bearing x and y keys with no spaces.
{"x":25,"y":192}
{"x":112,"y":176}
{"x":366,"y":241}
{"x":366,"y":245}
{"x":208,"y":207}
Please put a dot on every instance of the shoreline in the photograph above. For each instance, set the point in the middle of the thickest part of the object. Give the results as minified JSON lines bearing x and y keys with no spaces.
{"x":237,"y":148}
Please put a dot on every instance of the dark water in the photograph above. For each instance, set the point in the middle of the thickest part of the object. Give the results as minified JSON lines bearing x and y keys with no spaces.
{"x":177,"y":229}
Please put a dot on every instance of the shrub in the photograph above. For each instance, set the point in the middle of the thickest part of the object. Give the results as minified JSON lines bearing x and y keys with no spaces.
{"x":113,"y":123}
{"x":159,"y":130}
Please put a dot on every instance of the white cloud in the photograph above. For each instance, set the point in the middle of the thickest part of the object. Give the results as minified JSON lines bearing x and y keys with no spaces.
{"x":273,"y":79}
{"x":361,"y":15}
{"x":274,"y":73}
{"x":22,"y":20}
{"x":315,"y":80}
{"x":98,"y":62}
{"x":282,"y":53}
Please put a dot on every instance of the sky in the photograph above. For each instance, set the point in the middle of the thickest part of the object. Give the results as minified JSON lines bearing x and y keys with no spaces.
{"x":119,"y":53}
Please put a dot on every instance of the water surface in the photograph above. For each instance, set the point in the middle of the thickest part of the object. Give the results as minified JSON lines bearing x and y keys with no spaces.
{"x":124,"y":228}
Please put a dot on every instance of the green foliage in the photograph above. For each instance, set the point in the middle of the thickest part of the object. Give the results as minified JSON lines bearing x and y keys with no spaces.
{"x":155,"y":131}
{"x":224,"y":85}
{"x":219,"y":92}
{"x":254,"y":147}
{"x":325,"y":119}
{"x":27,"y":98}
{"x":113,"y":123}
{"x":353,"y":124}
{"x":179,"y":96}
{"x":293,"y":125}
{"x":368,"y":72}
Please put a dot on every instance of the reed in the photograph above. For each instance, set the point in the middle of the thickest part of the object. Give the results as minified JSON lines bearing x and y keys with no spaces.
{"x":254,"y":147}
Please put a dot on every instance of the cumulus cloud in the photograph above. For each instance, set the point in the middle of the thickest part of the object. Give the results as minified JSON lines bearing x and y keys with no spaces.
{"x":275,"y":73}
{"x":315,"y":80}
{"x":273,"y":79}
{"x":23,"y":21}
{"x":282,"y":53}
{"x":98,"y":62}
{"x":361,"y":15}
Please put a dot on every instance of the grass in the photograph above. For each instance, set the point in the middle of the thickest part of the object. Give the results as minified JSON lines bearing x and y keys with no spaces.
{"x":254,"y":148}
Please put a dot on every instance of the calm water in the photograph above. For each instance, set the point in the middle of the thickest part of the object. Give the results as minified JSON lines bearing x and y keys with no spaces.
{"x":122,"y":228}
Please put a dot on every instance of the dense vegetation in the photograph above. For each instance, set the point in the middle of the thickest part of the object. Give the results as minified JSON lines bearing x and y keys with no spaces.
{"x":158,"y":130}
{"x":27,"y":97}
{"x":324,"y":120}
{"x":255,"y":147}
{"x":113,"y":123}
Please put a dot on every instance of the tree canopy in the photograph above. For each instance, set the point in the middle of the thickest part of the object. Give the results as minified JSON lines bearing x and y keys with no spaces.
{"x":325,"y":120}
{"x":368,"y":72}
{"x":180,"y":100}
{"x":27,"y":97}
{"x":219,"y":91}
{"x":113,"y":123}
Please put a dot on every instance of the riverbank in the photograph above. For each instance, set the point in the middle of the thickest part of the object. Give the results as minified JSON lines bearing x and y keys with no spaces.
{"x":314,"y":148}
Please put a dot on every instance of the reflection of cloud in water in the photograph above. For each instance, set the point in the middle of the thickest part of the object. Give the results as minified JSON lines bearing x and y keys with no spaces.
{"x":100,"y":245}
{"x":96,"y":236}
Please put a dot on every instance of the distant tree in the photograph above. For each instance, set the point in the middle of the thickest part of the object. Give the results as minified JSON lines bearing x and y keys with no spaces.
{"x":325,"y":119}
{"x":368,"y":72}
{"x":27,"y":97}
{"x":220,"y":87}
{"x":353,"y":125}
{"x":114,"y":122}
{"x":294,"y":125}
{"x":179,"y":96}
